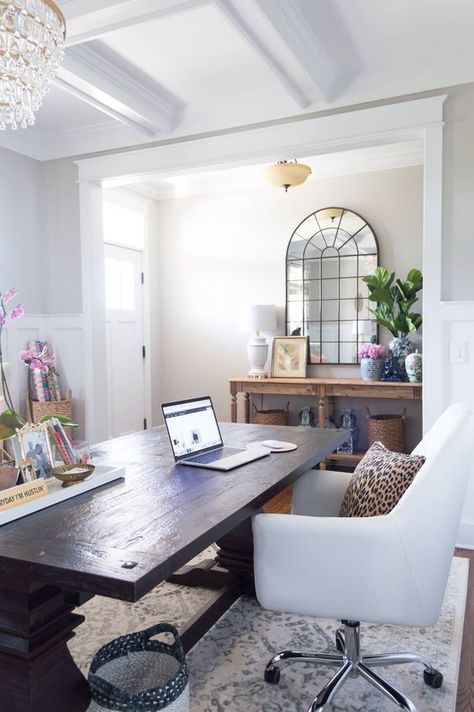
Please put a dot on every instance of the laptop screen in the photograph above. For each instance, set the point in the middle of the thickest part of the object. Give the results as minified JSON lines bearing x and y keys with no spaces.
{"x":192,"y":426}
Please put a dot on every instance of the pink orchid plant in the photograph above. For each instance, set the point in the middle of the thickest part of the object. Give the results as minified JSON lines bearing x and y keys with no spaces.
{"x":373,"y":351}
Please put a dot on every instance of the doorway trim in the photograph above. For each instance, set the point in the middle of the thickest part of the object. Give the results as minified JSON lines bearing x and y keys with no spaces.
{"x":136,"y":203}
{"x":390,"y":123}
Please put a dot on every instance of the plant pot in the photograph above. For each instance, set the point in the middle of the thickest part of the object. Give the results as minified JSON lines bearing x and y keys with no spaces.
{"x":371,"y":368}
{"x":400,"y":347}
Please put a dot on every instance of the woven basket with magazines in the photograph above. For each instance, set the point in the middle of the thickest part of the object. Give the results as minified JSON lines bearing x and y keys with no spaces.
{"x":388,"y":430}
{"x":272,"y":416}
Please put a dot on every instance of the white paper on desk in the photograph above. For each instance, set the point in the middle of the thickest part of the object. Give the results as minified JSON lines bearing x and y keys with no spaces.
{"x":277,"y":445}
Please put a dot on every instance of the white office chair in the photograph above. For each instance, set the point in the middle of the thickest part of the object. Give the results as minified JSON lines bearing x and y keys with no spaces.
{"x":384,"y":569}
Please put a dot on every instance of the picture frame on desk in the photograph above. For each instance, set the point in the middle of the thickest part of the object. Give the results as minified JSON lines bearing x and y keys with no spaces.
{"x":35,"y":444}
{"x":289,"y":356}
{"x":27,"y":471}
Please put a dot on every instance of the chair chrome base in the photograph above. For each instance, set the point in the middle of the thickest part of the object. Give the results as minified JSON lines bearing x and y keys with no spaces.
{"x":350,"y":661}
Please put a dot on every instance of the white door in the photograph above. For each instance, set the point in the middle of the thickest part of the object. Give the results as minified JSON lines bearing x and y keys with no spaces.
{"x":124,"y":339}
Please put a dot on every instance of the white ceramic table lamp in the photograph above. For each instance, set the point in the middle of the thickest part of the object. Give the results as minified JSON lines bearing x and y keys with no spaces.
{"x":258,"y":318}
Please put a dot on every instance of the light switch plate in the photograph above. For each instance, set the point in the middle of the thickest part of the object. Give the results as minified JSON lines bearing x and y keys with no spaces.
{"x":457,"y":352}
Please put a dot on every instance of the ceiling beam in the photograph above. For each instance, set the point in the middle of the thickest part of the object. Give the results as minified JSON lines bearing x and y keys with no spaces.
{"x":290,"y":84}
{"x":97,"y":75}
{"x":316,"y":35}
{"x":89,"y":19}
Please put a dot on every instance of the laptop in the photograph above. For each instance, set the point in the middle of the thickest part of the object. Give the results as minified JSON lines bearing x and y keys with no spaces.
{"x":196,"y":439}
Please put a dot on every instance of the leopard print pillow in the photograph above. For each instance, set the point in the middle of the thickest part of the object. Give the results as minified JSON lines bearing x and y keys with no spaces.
{"x":379,"y":481}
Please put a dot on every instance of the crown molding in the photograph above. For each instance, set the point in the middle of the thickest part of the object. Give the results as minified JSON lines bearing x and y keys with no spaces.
{"x":98,"y":76}
{"x":308,"y":30}
{"x":115,"y":134}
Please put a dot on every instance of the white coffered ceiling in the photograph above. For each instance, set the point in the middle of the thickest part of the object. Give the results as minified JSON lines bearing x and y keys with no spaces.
{"x":144,"y":71}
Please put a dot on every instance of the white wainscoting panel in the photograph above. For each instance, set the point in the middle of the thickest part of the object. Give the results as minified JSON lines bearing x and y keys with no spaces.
{"x":458,"y":384}
{"x":65,"y":334}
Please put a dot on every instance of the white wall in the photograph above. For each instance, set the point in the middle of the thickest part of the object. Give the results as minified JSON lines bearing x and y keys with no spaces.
{"x":221,"y":250}
{"x":40,"y":255}
{"x":66,"y":335}
{"x":61,"y":228}
{"x":458,"y":192}
{"x":22,"y":255}
{"x":458,"y":266}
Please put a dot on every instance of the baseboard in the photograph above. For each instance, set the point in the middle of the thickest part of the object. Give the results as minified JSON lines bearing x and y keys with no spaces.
{"x":466,"y":535}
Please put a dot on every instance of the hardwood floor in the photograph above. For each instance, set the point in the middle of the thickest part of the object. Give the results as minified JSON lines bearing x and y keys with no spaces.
{"x":465,"y":698}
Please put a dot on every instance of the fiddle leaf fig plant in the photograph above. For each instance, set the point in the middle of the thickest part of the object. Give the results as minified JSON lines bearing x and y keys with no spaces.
{"x":395,"y":299}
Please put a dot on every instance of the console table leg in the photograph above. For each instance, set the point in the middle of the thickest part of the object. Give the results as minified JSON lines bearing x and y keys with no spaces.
{"x":247,"y":407}
{"x":233,"y":404}
{"x":37,"y":672}
{"x":322,"y":422}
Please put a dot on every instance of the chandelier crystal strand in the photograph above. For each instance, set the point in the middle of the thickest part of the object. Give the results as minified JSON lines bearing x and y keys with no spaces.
{"x":32,"y":34}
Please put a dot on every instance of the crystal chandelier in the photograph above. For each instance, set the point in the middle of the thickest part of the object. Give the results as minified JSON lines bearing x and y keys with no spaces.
{"x":32,"y":34}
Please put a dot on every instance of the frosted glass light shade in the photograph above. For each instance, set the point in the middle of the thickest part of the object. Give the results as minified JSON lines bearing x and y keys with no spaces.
{"x":331,"y":213}
{"x":285,"y":174}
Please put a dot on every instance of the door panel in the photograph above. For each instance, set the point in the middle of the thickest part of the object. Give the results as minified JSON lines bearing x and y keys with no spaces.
{"x":124,"y":339}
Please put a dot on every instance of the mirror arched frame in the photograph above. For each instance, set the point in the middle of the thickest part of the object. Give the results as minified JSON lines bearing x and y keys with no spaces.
{"x":327,"y":256}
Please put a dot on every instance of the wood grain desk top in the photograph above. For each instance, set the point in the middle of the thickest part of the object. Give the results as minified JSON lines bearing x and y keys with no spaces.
{"x":158,"y":518}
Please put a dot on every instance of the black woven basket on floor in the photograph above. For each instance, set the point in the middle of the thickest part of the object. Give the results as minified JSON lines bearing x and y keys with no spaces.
{"x":136,"y":674}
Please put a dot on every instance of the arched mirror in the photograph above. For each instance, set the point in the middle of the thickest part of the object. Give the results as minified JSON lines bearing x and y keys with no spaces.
{"x":328,"y":254}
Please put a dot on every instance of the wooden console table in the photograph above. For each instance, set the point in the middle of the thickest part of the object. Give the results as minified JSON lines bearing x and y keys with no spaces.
{"x":322,"y":390}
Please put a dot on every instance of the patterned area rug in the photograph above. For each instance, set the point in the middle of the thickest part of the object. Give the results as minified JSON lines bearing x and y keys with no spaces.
{"x":226,"y":667}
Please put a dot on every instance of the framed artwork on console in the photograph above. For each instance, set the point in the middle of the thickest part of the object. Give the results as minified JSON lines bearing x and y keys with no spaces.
{"x":289,"y":356}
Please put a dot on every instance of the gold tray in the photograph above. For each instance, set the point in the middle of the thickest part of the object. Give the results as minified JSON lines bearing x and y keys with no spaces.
{"x":68,"y":478}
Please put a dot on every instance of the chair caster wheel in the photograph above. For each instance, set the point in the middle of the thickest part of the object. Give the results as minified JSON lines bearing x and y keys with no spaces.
{"x":272,"y":675}
{"x":433,"y":678}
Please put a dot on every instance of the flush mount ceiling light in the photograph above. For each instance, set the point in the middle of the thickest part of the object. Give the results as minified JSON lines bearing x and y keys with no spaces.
{"x":331,"y":213}
{"x":285,"y":174}
{"x":32,"y":34}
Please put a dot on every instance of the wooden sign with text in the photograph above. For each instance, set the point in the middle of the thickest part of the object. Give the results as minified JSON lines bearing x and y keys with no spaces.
{"x":22,"y":494}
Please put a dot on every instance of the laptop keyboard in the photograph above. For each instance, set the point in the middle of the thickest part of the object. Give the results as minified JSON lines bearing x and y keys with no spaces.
{"x":216,"y":455}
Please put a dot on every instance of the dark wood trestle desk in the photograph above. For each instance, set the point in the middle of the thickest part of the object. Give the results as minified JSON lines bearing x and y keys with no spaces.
{"x":121,"y":541}
{"x":322,"y":391}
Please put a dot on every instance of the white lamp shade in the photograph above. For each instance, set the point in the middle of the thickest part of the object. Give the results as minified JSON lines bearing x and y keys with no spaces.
{"x":259,"y":317}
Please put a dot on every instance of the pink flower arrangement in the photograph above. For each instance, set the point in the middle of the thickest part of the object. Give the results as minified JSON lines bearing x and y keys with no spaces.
{"x":41,"y":361}
{"x":17,"y":312}
{"x":373,"y":351}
